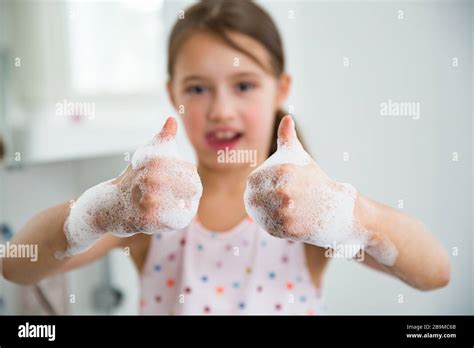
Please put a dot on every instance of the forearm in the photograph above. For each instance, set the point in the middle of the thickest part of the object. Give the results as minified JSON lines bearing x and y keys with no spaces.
{"x":44,"y":231}
{"x":421,"y":261}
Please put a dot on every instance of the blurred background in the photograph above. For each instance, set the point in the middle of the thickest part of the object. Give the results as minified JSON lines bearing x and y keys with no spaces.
{"x":347,"y":58}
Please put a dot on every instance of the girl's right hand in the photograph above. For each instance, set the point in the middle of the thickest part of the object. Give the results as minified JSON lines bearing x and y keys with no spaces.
{"x":157,"y":192}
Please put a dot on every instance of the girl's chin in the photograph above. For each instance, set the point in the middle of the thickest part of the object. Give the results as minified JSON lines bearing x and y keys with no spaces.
{"x":230,"y":159}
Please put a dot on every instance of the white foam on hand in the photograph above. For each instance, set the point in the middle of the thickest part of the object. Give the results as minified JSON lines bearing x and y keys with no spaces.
{"x":291,"y":197}
{"x":158,"y":192}
{"x":162,"y":145}
{"x":79,"y":228}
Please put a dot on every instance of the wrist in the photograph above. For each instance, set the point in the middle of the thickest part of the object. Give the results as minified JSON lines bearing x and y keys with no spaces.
{"x":338,"y":225}
{"x":367,"y":216}
{"x":90,"y":217}
{"x":364,"y":212}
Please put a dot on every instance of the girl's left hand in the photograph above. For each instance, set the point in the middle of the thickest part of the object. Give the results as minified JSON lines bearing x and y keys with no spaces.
{"x":291,"y":197}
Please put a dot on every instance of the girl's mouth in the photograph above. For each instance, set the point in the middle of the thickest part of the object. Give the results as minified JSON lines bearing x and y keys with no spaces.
{"x":221,"y":139}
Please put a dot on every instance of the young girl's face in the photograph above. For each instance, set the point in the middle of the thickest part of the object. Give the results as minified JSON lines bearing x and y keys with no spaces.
{"x":229,"y":100}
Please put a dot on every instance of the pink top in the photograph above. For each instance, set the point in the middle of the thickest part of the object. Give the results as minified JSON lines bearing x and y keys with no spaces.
{"x":241,"y":271}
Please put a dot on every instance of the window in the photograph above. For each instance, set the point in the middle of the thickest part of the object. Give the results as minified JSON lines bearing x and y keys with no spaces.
{"x":114,"y":46}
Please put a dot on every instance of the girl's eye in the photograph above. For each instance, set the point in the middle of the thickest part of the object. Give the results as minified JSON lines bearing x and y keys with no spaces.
{"x":197,"y":89}
{"x":245,"y":86}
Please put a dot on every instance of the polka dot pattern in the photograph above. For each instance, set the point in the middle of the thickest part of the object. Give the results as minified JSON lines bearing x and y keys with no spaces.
{"x":197,"y":271}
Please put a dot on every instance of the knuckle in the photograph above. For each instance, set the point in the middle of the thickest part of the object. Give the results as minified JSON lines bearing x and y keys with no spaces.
{"x":255,"y":179}
{"x":286,"y":223}
{"x":154,"y":163}
{"x":151,"y":182}
{"x":283,"y":193}
{"x":147,"y":202}
{"x":281,"y":169}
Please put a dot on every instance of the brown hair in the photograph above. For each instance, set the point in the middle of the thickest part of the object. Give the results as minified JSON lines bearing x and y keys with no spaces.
{"x":222,"y":16}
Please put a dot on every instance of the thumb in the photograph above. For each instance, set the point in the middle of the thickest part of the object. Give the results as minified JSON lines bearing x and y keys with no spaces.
{"x":168,"y":132}
{"x":287,"y":133}
{"x":162,"y":145}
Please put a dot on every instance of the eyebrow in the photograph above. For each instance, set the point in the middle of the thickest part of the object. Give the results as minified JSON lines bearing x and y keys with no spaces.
{"x":198,"y":77}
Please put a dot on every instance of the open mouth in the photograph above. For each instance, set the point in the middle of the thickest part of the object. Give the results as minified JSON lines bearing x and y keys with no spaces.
{"x":221,"y":139}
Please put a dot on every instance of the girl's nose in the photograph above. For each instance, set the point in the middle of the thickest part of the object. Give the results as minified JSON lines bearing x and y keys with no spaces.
{"x":221,"y":108}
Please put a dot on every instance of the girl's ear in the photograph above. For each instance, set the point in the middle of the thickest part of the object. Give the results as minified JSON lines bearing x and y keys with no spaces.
{"x":169,"y":88}
{"x":283,"y":89}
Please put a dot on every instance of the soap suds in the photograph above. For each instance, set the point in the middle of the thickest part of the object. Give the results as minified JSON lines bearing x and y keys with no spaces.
{"x":154,"y":148}
{"x":322,"y":214}
{"x":158,"y":192}
{"x":382,"y":250}
{"x":79,"y":227}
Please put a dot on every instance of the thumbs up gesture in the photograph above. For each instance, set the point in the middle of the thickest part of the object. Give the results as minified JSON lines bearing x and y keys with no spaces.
{"x":291,"y":197}
{"x":164,"y":190}
{"x":157,"y":192}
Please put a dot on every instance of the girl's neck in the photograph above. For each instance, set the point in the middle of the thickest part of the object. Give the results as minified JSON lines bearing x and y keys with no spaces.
{"x":222,"y":206}
{"x":229,"y":181}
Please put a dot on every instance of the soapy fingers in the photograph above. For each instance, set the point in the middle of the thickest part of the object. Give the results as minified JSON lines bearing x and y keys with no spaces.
{"x":157,"y":192}
{"x":291,"y":197}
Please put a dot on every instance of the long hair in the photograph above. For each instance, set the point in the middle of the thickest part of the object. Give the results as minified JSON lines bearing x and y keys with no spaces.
{"x":223,"y":16}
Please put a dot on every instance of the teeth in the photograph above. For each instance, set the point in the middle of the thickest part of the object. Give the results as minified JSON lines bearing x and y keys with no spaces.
{"x":222,"y":135}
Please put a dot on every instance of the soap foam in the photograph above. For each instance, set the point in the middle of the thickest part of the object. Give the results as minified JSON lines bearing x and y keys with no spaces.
{"x":324,"y":213}
{"x":154,"y":148}
{"x":80,"y":227}
{"x":293,"y":154}
{"x":158,"y":193}
{"x":330,"y":219}
{"x":383,"y":251}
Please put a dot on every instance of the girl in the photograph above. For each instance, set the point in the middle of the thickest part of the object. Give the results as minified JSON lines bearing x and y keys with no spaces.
{"x":224,"y":261}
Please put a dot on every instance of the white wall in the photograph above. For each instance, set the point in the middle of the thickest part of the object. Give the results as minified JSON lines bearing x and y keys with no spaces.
{"x":390,"y":158}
